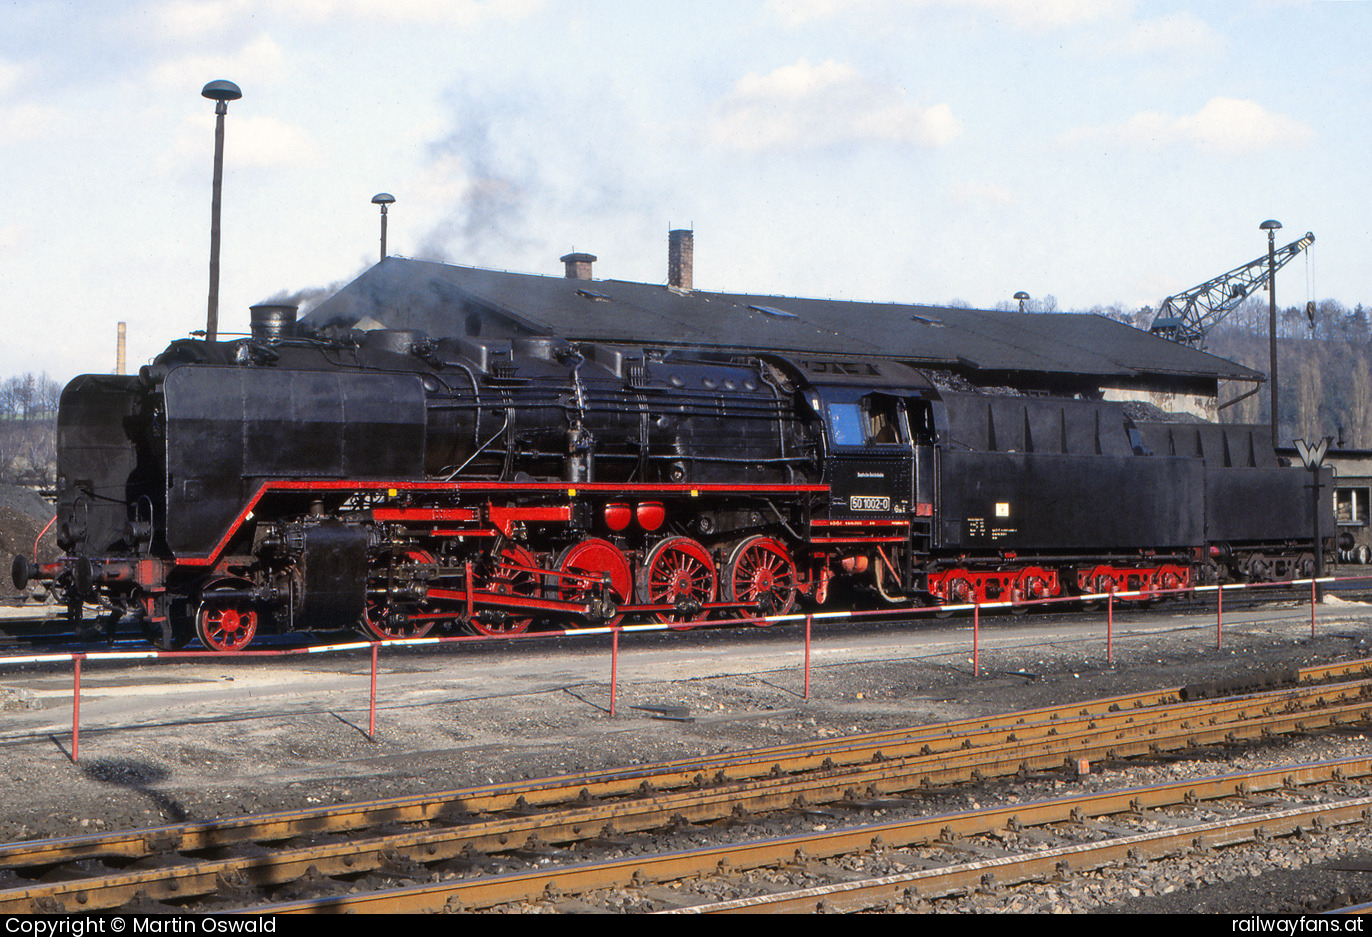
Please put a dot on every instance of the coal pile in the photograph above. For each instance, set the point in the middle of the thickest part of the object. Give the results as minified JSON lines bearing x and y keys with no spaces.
{"x":23,"y":514}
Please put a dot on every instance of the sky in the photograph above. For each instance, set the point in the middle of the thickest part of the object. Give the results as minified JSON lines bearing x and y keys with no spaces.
{"x":928,"y":151}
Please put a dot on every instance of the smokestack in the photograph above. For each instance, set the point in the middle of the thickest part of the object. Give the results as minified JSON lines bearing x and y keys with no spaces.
{"x":578,"y":265}
{"x":271,"y":322}
{"x":680,"y":259}
{"x":119,"y":350}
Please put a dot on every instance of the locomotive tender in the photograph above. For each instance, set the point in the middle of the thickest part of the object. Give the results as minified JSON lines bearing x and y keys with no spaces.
{"x":298,"y":481}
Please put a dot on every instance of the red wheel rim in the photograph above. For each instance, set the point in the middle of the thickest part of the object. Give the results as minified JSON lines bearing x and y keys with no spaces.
{"x":226,"y":627}
{"x":512,"y":576}
{"x":394,"y":621}
{"x":760,"y":573}
{"x":678,"y":572}
{"x":595,"y":558}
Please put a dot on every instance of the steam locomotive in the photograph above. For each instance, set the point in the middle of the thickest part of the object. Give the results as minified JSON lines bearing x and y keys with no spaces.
{"x":297,"y":481}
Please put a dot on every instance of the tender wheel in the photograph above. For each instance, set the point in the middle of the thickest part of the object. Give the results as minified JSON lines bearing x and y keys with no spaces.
{"x":761,"y":575}
{"x":957,"y":590}
{"x":678,"y":571}
{"x":387,"y":617}
{"x":225,"y":626}
{"x":513,"y":575}
{"x":1259,"y":568}
{"x":1305,"y":566}
{"x":596,"y":559}
{"x":1098,"y":581}
{"x":1032,"y":584}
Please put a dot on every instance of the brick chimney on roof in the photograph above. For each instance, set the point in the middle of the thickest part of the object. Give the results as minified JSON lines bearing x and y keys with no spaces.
{"x":578,"y":265}
{"x":680,"y":259}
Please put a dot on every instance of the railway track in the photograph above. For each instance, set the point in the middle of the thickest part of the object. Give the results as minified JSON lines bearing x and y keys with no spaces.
{"x":260,"y":859}
{"x":938,"y":847}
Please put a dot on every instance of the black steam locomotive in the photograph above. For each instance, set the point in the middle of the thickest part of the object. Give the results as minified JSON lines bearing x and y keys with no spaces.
{"x":401,"y":483}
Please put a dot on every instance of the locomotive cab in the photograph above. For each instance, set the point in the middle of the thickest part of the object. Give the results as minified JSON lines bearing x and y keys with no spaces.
{"x":878,"y":467}
{"x":870,"y":464}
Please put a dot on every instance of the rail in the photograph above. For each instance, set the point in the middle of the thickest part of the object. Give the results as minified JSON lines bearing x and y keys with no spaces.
{"x":614,"y":632}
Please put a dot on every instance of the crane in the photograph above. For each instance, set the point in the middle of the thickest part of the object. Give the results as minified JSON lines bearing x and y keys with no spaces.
{"x":1188,"y":317}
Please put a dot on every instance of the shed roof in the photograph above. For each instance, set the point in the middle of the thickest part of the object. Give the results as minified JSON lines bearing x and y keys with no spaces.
{"x":448,"y":300}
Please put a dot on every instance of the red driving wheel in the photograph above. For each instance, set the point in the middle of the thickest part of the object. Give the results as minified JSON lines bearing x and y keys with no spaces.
{"x":679,"y":572}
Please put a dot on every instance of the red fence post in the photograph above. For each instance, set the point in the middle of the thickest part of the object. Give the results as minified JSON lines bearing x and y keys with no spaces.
{"x":976,"y":639}
{"x":76,"y":710}
{"x":371,"y":717}
{"x":1110,"y":628}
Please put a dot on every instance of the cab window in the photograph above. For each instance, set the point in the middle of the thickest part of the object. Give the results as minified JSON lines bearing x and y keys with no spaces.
{"x":845,"y":424}
{"x":872,"y":421}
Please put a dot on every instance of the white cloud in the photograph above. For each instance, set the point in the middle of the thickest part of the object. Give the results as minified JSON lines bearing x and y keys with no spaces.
{"x":260,"y":57}
{"x":28,"y":122}
{"x":9,"y":76}
{"x":1224,"y":126}
{"x":973,"y":192}
{"x":1174,"y":32}
{"x":449,"y":12}
{"x":1035,"y":15}
{"x":268,"y":143}
{"x":1048,"y":14}
{"x":804,"y":106}
{"x":250,"y":142}
{"x":182,"y":20}
{"x":185,"y":19}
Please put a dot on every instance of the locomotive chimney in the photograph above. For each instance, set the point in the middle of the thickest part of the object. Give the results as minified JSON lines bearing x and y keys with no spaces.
{"x":680,"y":259}
{"x":578,"y":265}
{"x":272,"y":322}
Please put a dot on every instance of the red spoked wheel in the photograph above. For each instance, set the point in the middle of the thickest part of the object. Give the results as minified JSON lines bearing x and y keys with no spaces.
{"x":225,"y":624}
{"x":387,"y":617}
{"x":761,"y":575}
{"x":595,"y":559}
{"x":514,"y":573}
{"x":679,"y":572}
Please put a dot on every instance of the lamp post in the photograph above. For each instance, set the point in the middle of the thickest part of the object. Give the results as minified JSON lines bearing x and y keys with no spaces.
{"x":220,"y":92}
{"x":383,"y":199}
{"x":1272,"y":227}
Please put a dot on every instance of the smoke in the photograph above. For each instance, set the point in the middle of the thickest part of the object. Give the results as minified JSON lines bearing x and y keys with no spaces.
{"x":309,"y":297}
{"x":526,"y":174}
{"x":483,"y":189}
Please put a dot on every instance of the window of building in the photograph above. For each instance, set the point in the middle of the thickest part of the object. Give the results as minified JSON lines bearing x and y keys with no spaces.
{"x":1350,"y":506}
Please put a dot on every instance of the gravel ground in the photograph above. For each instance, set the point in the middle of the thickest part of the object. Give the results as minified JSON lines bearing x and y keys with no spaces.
{"x":161,"y":762}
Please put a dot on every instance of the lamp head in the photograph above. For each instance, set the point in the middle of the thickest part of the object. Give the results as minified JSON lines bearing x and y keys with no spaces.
{"x":221,"y":91}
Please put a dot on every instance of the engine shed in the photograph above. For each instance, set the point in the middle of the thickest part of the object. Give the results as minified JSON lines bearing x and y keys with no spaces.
{"x":1066,"y":355}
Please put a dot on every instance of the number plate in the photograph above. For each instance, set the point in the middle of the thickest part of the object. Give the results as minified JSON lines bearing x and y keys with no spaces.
{"x":868,"y":503}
